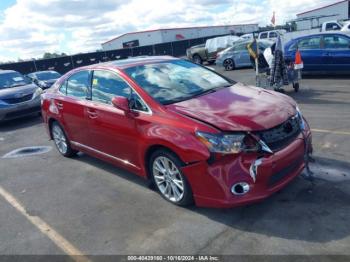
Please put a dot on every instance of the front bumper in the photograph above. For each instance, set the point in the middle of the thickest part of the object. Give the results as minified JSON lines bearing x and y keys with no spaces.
{"x":20,"y":110}
{"x":211,"y":183}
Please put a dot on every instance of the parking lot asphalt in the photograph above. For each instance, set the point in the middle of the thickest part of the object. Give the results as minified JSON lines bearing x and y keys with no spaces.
{"x":95,"y":208}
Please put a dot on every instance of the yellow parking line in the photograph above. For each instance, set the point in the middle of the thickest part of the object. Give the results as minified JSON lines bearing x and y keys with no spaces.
{"x":46,"y":229}
{"x":331,"y":132}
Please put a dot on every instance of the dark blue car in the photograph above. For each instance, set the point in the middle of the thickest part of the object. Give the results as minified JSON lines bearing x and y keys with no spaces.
{"x":324,"y":52}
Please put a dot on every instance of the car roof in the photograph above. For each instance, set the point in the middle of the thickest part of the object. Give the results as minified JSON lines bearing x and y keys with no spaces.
{"x":133,"y":61}
{"x":324,"y":33}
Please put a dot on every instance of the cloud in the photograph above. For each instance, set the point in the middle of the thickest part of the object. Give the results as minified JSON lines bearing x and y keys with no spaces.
{"x":30,"y":28}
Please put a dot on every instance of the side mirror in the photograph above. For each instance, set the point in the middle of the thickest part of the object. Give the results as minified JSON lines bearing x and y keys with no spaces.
{"x":121,"y":103}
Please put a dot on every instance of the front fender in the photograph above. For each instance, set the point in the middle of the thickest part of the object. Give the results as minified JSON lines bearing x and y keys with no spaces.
{"x":183,"y":143}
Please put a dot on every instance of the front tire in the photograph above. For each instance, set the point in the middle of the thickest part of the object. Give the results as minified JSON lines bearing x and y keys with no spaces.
{"x":61,"y":141}
{"x":165,"y":170}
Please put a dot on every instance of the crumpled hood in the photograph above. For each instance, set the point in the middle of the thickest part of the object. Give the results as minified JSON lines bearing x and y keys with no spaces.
{"x":239,"y":108}
{"x":18,"y":91}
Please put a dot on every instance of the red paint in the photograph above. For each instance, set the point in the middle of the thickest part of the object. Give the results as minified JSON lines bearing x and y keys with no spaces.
{"x":128,"y":135}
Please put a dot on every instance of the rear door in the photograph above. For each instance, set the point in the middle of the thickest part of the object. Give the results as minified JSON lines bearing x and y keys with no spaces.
{"x":337,"y":52}
{"x":241,"y":55}
{"x":311,"y":53}
{"x":71,"y":106}
{"x":112,"y":131}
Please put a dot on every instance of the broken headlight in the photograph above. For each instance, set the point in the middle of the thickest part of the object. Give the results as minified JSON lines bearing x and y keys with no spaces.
{"x":228,"y":143}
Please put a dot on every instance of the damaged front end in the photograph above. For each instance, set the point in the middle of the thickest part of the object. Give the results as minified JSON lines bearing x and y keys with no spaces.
{"x":248,"y":167}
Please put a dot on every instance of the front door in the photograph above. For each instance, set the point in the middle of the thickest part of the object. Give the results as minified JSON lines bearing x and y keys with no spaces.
{"x":337,"y":52}
{"x":113,"y":132}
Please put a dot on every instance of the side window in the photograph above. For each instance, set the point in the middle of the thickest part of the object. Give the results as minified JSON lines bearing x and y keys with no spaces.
{"x":78,"y":85}
{"x":310,"y":43}
{"x":332,"y":26}
{"x":240,"y":47}
{"x":273,"y":35}
{"x":106,"y":85}
{"x":263,"y":35}
{"x":336,"y":42}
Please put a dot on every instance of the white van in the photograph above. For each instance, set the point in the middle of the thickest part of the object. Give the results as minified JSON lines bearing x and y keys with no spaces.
{"x":271,"y":35}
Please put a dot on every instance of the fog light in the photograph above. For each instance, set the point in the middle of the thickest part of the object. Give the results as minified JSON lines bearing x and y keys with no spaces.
{"x":240,"y":188}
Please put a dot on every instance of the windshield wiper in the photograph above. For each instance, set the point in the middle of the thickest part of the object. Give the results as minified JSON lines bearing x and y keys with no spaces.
{"x":17,"y":85}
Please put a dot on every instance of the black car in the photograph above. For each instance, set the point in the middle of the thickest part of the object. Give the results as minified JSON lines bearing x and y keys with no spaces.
{"x":44,"y":79}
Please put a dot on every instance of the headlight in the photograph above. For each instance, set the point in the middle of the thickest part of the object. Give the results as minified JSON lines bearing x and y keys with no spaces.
{"x":42,"y":84}
{"x":301,"y":119}
{"x":222,"y":143}
{"x":38,"y":92}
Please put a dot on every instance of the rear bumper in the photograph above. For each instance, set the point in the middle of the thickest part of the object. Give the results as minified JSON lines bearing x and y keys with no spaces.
{"x":20,"y":110}
{"x":211,"y":184}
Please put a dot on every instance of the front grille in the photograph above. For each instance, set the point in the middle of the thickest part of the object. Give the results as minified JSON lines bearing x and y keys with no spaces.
{"x":277,"y":177}
{"x":282,"y":135}
{"x":18,"y":100}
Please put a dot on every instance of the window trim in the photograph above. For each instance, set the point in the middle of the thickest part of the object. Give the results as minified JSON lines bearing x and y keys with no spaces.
{"x":149,"y":110}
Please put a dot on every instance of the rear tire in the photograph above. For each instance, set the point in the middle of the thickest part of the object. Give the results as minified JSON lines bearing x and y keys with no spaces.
{"x":197,"y":59}
{"x":62,"y":143}
{"x":229,"y":64}
{"x":165,"y":170}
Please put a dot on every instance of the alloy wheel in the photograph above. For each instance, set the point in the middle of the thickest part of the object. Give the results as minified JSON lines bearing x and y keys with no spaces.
{"x":168,"y":179}
{"x":229,"y":64}
{"x":60,"y":139}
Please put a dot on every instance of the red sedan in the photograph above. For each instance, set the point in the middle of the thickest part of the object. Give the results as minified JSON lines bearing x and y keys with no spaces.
{"x":195,"y":134}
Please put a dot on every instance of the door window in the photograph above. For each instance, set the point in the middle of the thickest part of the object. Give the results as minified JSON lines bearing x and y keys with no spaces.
{"x":332,"y":26}
{"x":78,"y":85}
{"x":106,"y":85}
{"x":273,"y":35}
{"x":310,"y":43}
{"x":336,"y":42}
{"x":263,"y":36}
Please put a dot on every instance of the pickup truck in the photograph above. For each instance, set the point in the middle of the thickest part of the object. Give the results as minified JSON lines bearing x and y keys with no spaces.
{"x":197,"y":54}
{"x":208,"y":51}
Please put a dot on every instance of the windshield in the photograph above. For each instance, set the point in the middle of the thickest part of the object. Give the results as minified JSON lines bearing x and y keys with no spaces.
{"x":47,"y":75}
{"x":12,"y":79}
{"x":174,"y":81}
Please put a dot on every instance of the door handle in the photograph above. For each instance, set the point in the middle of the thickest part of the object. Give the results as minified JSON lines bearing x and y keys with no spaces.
{"x":59,"y":105}
{"x":92,"y":114}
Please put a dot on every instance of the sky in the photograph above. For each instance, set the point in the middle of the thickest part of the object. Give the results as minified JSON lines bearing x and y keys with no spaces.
{"x":29,"y":28}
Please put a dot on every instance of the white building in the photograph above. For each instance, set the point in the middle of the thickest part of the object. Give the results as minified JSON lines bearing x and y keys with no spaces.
{"x":314,"y":18}
{"x":152,"y":37}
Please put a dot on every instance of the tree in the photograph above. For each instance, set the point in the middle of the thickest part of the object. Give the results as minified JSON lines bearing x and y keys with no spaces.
{"x":48,"y":55}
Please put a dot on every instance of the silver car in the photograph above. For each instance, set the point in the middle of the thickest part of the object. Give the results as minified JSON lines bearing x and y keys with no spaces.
{"x":238,"y":56}
{"x":18,"y":96}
